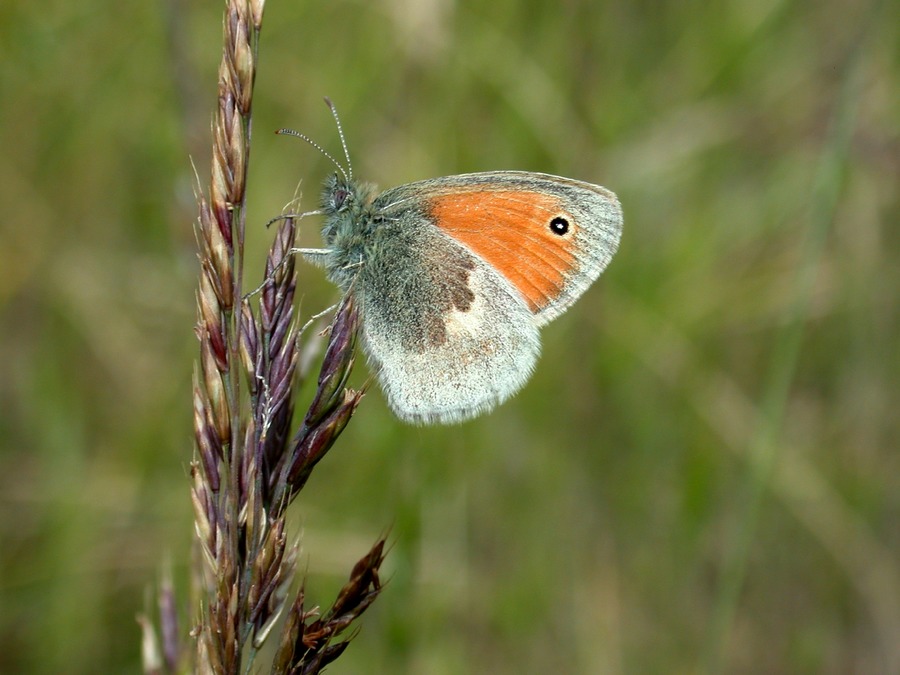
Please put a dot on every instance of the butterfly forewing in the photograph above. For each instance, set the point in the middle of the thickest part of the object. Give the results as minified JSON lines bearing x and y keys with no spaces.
{"x":550,"y":237}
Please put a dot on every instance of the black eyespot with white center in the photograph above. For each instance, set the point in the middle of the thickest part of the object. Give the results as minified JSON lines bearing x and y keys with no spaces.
{"x":559,"y":225}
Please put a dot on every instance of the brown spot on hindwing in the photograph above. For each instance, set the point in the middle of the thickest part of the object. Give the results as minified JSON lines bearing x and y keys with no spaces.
{"x":450,"y":292}
{"x":517,"y":232}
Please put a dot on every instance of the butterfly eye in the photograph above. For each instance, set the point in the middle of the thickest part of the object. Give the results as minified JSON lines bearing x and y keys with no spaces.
{"x":340,"y":196}
{"x":559,"y":225}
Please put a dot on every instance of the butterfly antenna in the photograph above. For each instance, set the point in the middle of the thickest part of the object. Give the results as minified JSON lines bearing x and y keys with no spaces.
{"x":291,"y":132}
{"x":337,"y":120}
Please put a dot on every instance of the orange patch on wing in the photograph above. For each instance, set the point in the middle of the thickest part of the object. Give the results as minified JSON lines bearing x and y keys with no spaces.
{"x":510,"y":229}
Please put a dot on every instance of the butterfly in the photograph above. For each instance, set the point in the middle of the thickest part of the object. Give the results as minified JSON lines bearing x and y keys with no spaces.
{"x":453,"y":277}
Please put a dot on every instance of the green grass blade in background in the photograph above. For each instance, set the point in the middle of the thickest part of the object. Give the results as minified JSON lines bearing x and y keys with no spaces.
{"x":763,"y":452}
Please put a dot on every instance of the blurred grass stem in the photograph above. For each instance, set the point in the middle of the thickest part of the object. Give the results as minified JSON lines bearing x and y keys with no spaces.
{"x":763,"y":449}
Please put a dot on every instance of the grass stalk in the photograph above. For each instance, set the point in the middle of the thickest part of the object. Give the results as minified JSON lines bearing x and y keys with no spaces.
{"x":248,"y":465}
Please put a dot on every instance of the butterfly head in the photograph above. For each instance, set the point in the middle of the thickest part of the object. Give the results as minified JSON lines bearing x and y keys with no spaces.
{"x":335,"y":194}
{"x":345,"y":200}
{"x":350,"y":220}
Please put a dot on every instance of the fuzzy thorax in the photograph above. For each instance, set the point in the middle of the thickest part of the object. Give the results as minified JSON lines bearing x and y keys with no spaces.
{"x":351,"y":228}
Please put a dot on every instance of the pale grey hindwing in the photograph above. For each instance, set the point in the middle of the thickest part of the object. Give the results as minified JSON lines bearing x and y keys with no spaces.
{"x":450,"y":338}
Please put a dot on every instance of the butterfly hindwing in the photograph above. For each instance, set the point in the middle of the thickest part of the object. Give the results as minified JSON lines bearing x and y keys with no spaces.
{"x":466,"y":342}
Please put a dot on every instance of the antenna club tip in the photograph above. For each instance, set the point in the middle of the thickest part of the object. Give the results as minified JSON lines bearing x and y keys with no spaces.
{"x":329,"y":103}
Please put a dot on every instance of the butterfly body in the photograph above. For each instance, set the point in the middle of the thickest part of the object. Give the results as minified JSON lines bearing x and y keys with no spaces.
{"x":454,"y":276}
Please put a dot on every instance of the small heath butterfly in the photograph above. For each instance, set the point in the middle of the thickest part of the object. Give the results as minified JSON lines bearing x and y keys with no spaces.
{"x":454,"y":277}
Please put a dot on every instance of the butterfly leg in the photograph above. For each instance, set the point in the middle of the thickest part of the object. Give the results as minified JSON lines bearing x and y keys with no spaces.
{"x":312,"y":253}
{"x":316,"y":317}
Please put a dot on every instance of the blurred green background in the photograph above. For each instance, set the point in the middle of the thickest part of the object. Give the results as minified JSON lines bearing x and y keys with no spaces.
{"x":703,"y":474}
